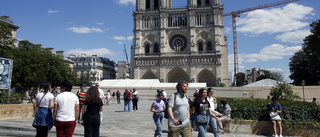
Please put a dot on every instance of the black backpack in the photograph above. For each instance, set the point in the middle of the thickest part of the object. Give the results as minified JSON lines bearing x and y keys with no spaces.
{"x":125,"y":96}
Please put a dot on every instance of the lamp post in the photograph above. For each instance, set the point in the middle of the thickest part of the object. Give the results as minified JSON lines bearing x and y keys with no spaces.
{"x":303,"y":83}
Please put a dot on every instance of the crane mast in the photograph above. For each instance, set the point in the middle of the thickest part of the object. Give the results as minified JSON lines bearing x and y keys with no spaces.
{"x":234,"y":29}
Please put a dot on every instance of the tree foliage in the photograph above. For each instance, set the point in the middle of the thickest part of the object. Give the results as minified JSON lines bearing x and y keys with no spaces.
{"x":283,"y":91}
{"x":5,"y":35}
{"x":34,"y":65}
{"x":305,"y":64}
{"x":240,"y":79}
{"x":84,"y":78}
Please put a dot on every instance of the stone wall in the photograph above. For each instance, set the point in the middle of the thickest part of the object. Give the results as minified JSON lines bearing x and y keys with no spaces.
{"x":12,"y":111}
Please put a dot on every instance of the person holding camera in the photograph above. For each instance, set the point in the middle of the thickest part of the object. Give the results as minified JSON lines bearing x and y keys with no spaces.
{"x":178,"y":110}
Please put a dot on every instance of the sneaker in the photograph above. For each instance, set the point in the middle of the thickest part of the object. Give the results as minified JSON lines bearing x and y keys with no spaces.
{"x":280,"y":135}
{"x":276,"y":135}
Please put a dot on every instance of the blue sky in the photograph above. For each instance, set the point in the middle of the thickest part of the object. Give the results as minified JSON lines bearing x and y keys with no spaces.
{"x":267,"y":38}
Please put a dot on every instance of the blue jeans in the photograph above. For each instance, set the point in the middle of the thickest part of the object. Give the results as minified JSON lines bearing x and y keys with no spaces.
{"x":201,"y":128}
{"x":157,"y":118}
{"x":192,"y":118}
{"x":213,"y":125}
{"x":127,"y":103}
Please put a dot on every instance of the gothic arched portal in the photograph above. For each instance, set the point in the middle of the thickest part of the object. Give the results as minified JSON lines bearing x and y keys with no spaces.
{"x":177,"y":74}
{"x":206,"y":76}
{"x":149,"y":75}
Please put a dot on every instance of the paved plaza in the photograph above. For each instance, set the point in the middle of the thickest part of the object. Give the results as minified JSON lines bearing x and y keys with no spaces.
{"x":116,"y":123}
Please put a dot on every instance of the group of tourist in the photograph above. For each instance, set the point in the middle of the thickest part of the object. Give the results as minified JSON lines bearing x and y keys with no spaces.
{"x":66,"y":110}
{"x":128,"y":97}
{"x":182,"y":111}
{"x":86,"y":108}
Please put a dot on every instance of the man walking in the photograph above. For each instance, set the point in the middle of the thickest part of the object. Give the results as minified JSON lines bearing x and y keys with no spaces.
{"x":118,"y":97}
{"x":127,"y":100}
{"x":178,"y":110}
{"x":135,"y":99}
{"x":101,"y":95}
{"x":82,"y":97}
{"x":66,"y":111}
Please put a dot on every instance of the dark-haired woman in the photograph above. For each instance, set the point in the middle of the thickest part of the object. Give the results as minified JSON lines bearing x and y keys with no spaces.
{"x":225,"y":114}
{"x":201,"y":108}
{"x":43,"y":120}
{"x":92,"y":106}
{"x":157,"y":108}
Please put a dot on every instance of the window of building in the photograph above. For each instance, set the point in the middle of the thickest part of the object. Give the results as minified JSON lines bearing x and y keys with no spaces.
{"x":200,"y":48}
{"x":207,"y":2}
{"x":93,"y":59}
{"x":147,"y":49}
{"x":147,"y":4}
{"x":209,"y":46}
{"x":156,"y":48}
{"x":156,"y":4}
{"x":198,"y":3}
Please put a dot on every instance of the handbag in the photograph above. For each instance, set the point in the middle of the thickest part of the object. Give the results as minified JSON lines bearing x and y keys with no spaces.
{"x":202,"y":119}
{"x":274,"y":116}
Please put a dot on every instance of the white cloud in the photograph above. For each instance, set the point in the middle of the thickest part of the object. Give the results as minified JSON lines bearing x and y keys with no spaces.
{"x":119,"y":38}
{"x":99,"y":52}
{"x":123,"y":38}
{"x":275,"y":20}
{"x":129,"y":37}
{"x":272,"y":52}
{"x":53,"y":11}
{"x":120,"y":43}
{"x":227,"y":30}
{"x":85,"y":30}
{"x":126,"y":2}
{"x":275,"y":69}
{"x":294,"y":36}
{"x":100,"y":23}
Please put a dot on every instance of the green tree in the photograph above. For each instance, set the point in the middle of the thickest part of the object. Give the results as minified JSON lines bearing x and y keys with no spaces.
{"x":283,"y":91}
{"x":305,"y":64}
{"x":5,"y":35}
{"x":34,"y":65}
{"x":84,"y":78}
{"x":240,"y":79}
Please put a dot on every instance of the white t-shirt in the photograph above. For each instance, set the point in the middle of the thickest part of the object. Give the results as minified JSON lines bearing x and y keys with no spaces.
{"x":45,"y":102}
{"x":66,"y":109}
{"x":108,"y":94}
{"x":164,"y":93}
{"x":213,"y":105}
{"x":101,"y":93}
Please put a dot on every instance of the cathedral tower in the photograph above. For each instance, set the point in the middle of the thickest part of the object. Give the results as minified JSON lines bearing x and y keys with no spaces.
{"x":179,"y":44}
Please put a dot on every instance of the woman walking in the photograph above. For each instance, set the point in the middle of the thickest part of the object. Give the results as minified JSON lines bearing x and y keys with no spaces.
{"x":43,"y":120}
{"x":157,"y":108}
{"x":92,"y":106}
{"x":201,"y":108}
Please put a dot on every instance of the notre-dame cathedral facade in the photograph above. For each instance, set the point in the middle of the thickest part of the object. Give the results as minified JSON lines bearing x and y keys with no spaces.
{"x":173,"y":44}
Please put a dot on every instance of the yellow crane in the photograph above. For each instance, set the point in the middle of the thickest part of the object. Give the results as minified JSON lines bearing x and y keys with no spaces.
{"x":235,"y":14}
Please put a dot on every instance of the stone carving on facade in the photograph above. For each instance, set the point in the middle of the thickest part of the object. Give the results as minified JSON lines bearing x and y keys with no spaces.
{"x":150,"y":38}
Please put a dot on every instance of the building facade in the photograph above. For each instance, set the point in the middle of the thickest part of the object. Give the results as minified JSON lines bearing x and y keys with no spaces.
{"x":96,"y":68}
{"x":13,"y":27}
{"x":179,"y":44}
{"x":122,"y":70}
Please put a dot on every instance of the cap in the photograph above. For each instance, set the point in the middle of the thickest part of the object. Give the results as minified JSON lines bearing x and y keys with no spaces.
{"x":83,"y":85}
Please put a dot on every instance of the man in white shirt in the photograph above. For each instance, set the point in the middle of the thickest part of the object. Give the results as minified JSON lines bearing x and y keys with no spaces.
{"x":66,"y":110}
{"x":102,"y":96}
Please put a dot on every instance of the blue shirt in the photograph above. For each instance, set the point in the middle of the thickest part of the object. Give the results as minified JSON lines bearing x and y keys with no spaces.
{"x":276,"y":107}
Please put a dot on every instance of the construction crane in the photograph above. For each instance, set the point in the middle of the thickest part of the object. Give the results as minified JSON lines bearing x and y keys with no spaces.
{"x":235,"y":14}
{"x":125,"y":52}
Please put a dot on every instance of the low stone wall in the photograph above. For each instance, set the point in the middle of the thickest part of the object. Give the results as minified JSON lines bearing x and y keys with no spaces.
{"x":266,"y":128}
{"x":11,"y":111}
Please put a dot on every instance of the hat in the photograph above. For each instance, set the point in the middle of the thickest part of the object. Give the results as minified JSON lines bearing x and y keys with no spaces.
{"x":83,"y":85}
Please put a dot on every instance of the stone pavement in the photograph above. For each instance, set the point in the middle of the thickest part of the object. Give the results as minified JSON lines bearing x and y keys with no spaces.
{"x":116,"y":123}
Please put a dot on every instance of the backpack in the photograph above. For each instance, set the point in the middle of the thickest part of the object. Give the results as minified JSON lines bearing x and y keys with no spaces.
{"x":166,"y":114}
{"x":125,"y":96}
